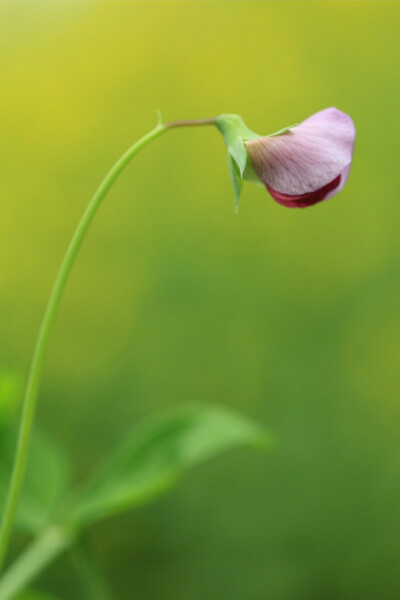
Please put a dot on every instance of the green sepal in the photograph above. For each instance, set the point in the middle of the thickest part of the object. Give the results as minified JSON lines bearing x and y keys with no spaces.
{"x":282,"y":131}
{"x":237,"y":180}
{"x":237,"y":150}
{"x":235,"y":134}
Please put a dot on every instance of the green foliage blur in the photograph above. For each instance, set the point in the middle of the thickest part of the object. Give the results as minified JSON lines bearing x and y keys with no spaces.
{"x":291,"y":316}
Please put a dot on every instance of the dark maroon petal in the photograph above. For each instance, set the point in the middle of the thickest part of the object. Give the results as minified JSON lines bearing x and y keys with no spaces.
{"x":304,"y":200}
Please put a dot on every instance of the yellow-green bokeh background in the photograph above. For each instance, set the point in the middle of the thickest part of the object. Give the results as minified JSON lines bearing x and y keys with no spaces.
{"x":291,"y":316}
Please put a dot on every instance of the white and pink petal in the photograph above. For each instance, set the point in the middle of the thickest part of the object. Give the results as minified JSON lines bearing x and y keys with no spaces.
{"x":308,"y":163}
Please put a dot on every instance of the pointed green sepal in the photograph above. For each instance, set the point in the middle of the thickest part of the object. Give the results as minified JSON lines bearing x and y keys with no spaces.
{"x":235,"y":134}
{"x":236,"y":178}
{"x":237,"y":150}
{"x":282,"y":131}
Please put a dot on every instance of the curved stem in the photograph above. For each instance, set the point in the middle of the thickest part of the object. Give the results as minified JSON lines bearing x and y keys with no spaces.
{"x":29,"y":404}
{"x":30,"y":399}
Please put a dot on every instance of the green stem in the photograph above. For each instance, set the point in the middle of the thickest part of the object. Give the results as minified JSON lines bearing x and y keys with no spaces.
{"x":34,"y":560}
{"x":43,"y":337}
{"x":192,"y":123}
{"x":29,"y":405}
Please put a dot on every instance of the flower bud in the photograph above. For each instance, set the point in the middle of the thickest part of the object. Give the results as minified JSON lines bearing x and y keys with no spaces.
{"x":299,"y":165}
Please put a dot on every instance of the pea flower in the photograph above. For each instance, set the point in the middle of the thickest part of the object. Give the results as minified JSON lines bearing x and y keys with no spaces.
{"x":299,"y":165}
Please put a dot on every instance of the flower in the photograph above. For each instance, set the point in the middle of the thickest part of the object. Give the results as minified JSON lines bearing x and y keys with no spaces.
{"x":307,"y":163}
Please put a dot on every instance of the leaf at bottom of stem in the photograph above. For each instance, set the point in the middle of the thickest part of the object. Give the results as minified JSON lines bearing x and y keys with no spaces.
{"x":158,"y":452}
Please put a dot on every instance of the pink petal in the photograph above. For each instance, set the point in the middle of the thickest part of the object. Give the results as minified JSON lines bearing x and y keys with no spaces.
{"x":309,"y":158}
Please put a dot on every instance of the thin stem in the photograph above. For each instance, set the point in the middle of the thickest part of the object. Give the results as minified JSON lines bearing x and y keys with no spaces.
{"x":34,"y":560}
{"x":29,"y":404}
{"x":30,"y":399}
{"x":191,"y":123}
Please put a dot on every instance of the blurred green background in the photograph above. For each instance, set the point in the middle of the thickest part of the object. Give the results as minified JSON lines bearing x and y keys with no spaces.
{"x":291,"y":316}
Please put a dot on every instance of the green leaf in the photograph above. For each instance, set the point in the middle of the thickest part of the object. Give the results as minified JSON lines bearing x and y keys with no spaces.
{"x":45,"y":482}
{"x":47,"y":475}
{"x":157,"y":453}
